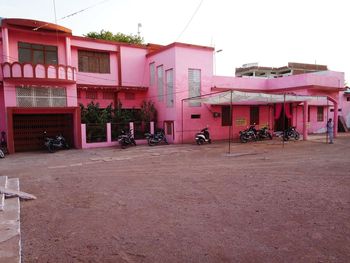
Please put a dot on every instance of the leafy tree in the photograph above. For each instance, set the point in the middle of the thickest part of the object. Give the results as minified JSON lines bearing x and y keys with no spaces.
{"x":148,"y":111}
{"x":119,"y":37}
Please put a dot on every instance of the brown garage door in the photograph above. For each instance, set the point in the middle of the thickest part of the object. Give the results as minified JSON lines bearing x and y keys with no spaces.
{"x":28,"y":129}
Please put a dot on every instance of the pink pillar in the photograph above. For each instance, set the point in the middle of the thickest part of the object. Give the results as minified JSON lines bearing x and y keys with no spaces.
{"x":68,"y":52}
{"x":152,"y":127}
{"x":109,"y":133}
{"x":305,"y":113}
{"x":131,"y":127}
{"x":5,"y":45}
{"x":83,"y":135}
{"x":335,"y":120}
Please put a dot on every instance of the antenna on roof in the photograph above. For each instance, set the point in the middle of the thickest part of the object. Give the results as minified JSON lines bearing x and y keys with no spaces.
{"x":138,"y":28}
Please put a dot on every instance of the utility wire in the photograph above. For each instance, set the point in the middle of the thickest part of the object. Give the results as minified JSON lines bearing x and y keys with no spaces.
{"x":189,"y":22}
{"x":72,"y":14}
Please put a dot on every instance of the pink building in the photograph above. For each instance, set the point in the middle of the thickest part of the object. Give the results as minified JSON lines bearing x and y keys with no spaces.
{"x":46,"y":72}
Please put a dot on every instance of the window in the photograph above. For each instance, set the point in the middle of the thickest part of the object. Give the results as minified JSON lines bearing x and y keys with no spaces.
{"x":37,"y":54}
{"x":348,"y":99}
{"x":41,"y":97}
{"x":160,"y":83}
{"x":169,"y":128}
{"x":91,"y":94}
{"x":152,"y":75}
{"x":195,"y":116}
{"x":107,"y":95}
{"x":129,"y":96}
{"x":226,"y":119}
{"x":194,"y":85}
{"x":254,"y":115}
{"x":93,"y":62}
{"x":308,"y":113}
{"x":320,"y":115}
{"x":169,"y":88}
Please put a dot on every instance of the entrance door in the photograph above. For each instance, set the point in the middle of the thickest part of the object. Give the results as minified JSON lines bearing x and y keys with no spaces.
{"x":169,"y":130}
{"x":283,"y":122}
{"x":28,"y":129}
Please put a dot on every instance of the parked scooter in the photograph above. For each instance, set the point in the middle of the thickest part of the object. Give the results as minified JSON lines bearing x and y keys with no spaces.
{"x":53,"y":144}
{"x":126,"y":138}
{"x":158,"y":137}
{"x":2,"y":155}
{"x":249,"y":134}
{"x":264,"y":133}
{"x":291,"y":132}
{"x":203,"y":136}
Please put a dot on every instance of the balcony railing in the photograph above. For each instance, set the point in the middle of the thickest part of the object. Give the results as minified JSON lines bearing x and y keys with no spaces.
{"x":35,"y":72}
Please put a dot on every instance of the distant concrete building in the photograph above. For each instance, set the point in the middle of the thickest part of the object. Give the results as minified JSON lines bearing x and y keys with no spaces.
{"x":253,"y":70}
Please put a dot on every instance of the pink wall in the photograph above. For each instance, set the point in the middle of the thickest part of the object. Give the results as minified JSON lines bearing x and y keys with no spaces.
{"x":2,"y":110}
{"x":134,"y":66}
{"x":239,"y":83}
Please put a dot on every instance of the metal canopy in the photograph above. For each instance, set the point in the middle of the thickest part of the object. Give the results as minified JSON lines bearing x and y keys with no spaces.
{"x":248,"y":98}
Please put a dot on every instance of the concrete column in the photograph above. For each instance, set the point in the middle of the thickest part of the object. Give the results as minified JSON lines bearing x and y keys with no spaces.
{"x":152,"y":127}
{"x":5,"y":45}
{"x":109,"y":132}
{"x":335,"y":120}
{"x":305,"y":117}
{"x":131,"y":127}
{"x":68,"y":52}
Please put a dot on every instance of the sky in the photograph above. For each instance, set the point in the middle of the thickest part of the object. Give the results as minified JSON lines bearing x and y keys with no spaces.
{"x":267,"y":32}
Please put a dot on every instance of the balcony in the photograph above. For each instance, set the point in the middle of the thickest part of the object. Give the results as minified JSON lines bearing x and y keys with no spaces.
{"x":20,"y":72}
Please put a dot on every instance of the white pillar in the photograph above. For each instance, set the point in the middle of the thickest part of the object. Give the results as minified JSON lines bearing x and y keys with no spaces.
{"x":131,"y":127}
{"x":151,"y":127}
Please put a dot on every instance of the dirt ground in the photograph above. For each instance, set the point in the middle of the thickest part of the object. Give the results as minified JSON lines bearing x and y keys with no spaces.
{"x":187,"y":203}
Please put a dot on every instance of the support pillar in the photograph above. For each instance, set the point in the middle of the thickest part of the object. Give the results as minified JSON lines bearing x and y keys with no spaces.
{"x":335,"y":120}
{"x":5,"y":45}
{"x":305,"y":118}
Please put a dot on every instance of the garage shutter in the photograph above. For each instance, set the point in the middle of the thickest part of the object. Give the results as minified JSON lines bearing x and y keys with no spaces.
{"x":28,"y":129}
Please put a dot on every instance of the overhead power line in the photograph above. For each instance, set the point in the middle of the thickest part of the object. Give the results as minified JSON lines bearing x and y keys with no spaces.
{"x":73,"y":14}
{"x":189,"y":22}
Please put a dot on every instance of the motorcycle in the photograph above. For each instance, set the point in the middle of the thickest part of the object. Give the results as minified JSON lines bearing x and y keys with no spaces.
{"x":52,"y":144}
{"x":264,"y":133}
{"x":158,"y":137}
{"x":249,"y":134}
{"x":126,"y":138}
{"x":203,"y":136}
{"x":291,"y":132}
{"x":2,"y":155}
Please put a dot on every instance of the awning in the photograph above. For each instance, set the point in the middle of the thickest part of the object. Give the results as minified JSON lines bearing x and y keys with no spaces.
{"x":248,"y":98}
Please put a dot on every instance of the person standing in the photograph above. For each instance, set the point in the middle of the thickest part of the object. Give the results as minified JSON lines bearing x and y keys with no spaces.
{"x":330,"y":130}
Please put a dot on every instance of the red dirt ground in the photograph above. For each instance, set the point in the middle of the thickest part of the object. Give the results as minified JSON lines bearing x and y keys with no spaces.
{"x":187,"y":203}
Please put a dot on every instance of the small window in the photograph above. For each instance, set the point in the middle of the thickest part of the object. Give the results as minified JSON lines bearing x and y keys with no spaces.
{"x":152,"y":74}
{"x":320,"y":115}
{"x":91,"y":94}
{"x":108,"y":95}
{"x":348,"y":99}
{"x":226,"y":116}
{"x":160,"y":83}
{"x":129,"y":96}
{"x":194,"y":85}
{"x":79,"y":94}
{"x":254,"y":115}
{"x":195,"y":116}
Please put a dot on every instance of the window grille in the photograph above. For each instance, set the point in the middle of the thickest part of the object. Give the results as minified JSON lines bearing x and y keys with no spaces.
{"x":160,"y":83}
{"x":152,"y":74}
{"x":194,"y":85}
{"x":170,"y":88}
{"x":41,"y":97}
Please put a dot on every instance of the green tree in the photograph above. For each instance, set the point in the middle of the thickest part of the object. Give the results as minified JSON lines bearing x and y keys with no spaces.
{"x":148,"y":111}
{"x":119,"y":37}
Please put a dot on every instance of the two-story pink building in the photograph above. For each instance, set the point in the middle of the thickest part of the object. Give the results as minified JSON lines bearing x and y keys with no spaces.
{"x":46,"y":72}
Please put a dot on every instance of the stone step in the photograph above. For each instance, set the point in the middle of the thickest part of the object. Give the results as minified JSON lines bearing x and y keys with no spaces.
{"x":10,"y":234}
{"x":3,"y":183}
